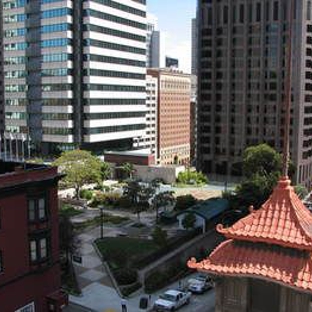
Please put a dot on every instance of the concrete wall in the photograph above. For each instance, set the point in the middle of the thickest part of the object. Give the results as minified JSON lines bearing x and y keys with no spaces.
{"x":148,"y":174}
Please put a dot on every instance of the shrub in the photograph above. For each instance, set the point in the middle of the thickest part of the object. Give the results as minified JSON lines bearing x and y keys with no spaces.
{"x":159,"y":236}
{"x":106,"y":199}
{"x":185,"y":201}
{"x":86,"y":194}
{"x":192,"y":177}
{"x":125,"y":276}
{"x":124,"y":202}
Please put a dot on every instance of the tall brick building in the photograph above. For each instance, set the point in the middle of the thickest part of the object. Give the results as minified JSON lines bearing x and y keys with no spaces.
{"x":241,"y":78}
{"x":174,"y":97}
{"x":29,"y":242}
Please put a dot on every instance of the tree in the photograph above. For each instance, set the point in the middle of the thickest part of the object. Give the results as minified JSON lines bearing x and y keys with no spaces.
{"x":106,"y":170}
{"x":261,"y":159}
{"x":162,"y":199}
{"x":79,"y":167}
{"x":262,"y":167}
{"x":139,"y":196}
{"x":188,"y":221}
{"x":184,"y":201}
{"x":159,"y":236}
{"x":128,"y":169}
{"x":68,"y":243}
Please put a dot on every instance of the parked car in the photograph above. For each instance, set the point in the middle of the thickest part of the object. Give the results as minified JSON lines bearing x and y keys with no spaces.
{"x":200,"y":284}
{"x":171,"y":300}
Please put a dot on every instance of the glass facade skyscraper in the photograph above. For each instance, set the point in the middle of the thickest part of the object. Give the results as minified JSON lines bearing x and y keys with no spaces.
{"x":75,"y":70}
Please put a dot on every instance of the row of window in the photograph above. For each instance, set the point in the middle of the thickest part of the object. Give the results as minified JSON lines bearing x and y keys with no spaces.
{"x":56,"y":28}
{"x":56,"y":13}
{"x":8,"y":5}
{"x":114,"y":115}
{"x":14,"y":18}
{"x":113,"y":60}
{"x":16,"y":115}
{"x":15,"y":46}
{"x":114,"y":129}
{"x":12,"y":60}
{"x":14,"y":32}
{"x":121,"y":7}
{"x":16,"y":102}
{"x":114,"y":32}
{"x":57,"y":57}
{"x":113,"y":46}
{"x":57,"y":72}
{"x":16,"y":88}
{"x":113,"y":18}
{"x":114,"y":102}
{"x":58,"y":42}
{"x":57,"y":116}
{"x":110,"y":73}
{"x":56,"y":87}
{"x":114,"y":88}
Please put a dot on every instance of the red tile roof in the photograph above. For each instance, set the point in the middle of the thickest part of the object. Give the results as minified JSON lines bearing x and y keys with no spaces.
{"x":272,"y":243}
{"x":288,"y":266}
{"x":282,"y":220}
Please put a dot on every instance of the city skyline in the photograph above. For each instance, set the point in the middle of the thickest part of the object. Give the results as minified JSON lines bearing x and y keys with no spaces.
{"x":178,"y":33}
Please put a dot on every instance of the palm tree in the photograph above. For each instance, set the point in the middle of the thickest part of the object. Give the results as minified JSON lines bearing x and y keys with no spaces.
{"x":128,"y":169}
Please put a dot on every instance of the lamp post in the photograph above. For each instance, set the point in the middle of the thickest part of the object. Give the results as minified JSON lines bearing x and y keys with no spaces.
{"x":102,"y":221}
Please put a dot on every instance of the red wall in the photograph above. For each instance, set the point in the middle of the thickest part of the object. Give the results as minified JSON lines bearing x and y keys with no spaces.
{"x":19,"y":283}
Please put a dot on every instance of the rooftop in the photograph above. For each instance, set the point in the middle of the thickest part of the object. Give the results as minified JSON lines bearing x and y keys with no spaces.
{"x":273,"y":243}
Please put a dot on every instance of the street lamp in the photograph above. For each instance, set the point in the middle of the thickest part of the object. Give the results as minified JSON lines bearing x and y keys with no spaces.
{"x":102,"y":221}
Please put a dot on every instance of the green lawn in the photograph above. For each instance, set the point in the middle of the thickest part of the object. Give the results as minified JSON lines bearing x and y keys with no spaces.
{"x":107,"y":218}
{"x":122,"y":250}
{"x":69,"y":210}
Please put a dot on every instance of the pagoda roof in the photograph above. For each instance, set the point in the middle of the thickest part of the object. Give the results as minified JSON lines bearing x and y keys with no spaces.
{"x":282,"y":220}
{"x":287,"y":266}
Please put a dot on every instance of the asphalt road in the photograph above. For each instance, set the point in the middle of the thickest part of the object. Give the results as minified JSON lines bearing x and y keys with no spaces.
{"x":201,"y":303}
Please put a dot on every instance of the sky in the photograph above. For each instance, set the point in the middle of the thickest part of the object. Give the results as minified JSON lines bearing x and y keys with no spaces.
{"x":174,"y":20}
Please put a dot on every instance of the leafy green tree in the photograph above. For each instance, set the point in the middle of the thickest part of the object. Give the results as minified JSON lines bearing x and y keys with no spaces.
{"x":159,"y":236}
{"x":262,"y":160}
{"x":162,"y":199}
{"x":184,"y":201}
{"x":80,"y":167}
{"x":262,"y":167}
{"x":128,"y":169}
{"x":189,"y":221}
{"x":139,"y":196}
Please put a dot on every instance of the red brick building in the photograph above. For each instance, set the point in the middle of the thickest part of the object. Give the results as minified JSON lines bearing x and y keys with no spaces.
{"x":265,"y":265}
{"x":29,"y":241}
{"x":174,"y":98}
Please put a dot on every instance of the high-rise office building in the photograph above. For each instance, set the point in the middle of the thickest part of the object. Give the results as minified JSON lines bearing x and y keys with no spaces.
{"x":173,"y":130}
{"x":155,"y":43}
{"x":194,"y":46}
{"x":75,"y":71}
{"x":149,"y":139}
{"x":242,"y":73}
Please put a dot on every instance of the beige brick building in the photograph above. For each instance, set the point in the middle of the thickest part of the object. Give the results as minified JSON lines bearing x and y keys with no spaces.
{"x":173,"y":139}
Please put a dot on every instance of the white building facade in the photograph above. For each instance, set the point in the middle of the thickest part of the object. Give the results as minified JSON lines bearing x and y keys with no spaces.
{"x":75,"y":70}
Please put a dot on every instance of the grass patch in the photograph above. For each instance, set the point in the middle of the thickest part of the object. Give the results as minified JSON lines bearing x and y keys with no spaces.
{"x":123,"y":251}
{"x":107,"y":218}
{"x":68,"y":210}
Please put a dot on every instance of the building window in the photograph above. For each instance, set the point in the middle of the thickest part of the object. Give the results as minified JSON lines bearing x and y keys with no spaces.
{"x":37,"y":209}
{"x":27,"y":308}
{"x":38,"y":249}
